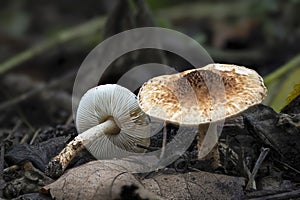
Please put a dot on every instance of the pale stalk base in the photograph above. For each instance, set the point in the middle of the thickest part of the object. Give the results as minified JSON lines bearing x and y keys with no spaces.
{"x":59,"y":163}
{"x":213,"y":156}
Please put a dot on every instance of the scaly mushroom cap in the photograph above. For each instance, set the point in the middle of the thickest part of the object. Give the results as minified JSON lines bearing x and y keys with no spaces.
{"x":120,"y":104}
{"x":202,"y":95}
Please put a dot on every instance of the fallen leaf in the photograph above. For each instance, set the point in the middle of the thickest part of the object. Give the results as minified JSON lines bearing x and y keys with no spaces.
{"x":196,"y":185}
{"x":97,"y":180}
{"x":110,"y":180}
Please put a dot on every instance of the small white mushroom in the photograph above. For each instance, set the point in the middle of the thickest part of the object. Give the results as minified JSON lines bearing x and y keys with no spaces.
{"x":110,"y":125}
{"x":201,"y":97}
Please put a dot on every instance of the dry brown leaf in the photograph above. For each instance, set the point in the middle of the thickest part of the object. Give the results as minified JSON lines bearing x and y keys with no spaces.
{"x":109,"y":180}
{"x":196,"y":185}
{"x":98,"y":180}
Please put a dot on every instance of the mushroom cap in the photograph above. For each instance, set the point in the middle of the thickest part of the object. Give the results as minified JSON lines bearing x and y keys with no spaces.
{"x":113,"y":101}
{"x":203,"y":95}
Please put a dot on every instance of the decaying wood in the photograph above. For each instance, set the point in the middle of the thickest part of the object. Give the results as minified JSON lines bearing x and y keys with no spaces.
{"x":262,"y":121}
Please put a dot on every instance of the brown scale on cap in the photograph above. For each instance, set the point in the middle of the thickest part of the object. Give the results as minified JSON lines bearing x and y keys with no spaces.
{"x":192,"y":96}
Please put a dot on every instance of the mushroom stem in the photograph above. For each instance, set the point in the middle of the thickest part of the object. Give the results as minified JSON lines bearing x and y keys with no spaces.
{"x":60,"y":162}
{"x":208,"y":144}
{"x":108,"y":127}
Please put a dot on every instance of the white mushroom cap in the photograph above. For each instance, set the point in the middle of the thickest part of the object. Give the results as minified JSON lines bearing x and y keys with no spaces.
{"x":118,"y":103}
{"x":186,"y":99}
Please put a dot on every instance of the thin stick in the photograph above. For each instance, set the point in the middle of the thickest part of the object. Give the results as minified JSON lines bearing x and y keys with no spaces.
{"x":25,"y":138}
{"x":164,"y":142}
{"x":288,"y":166}
{"x":247,"y":170}
{"x":264,"y":152}
{"x":34,"y":136}
{"x":11,"y":169}
{"x":24,"y":119}
{"x":226,"y":154}
{"x":16,"y":127}
{"x":69,"y":120}
{"x":63,"y":37}
{"x":284,"y":195}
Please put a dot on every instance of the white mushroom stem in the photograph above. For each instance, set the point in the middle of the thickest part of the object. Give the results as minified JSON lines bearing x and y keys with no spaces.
{"x":208,"y":145}
{"x":109,"y":127}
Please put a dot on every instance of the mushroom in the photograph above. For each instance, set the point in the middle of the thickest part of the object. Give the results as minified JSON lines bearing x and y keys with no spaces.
{"x":202,"y":97}
{"x":110,"y":125}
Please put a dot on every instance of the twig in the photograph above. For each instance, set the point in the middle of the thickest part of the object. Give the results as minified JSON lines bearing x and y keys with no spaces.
{"x":231,"y":155}
{"x":69,"y":120}
{"x":247,"y":170}
{"x":226,"y":158}
{"x":264,"y":152}
{"x":288,"y":166}
{"x":163,"y":148}
{"x":25,"y":138}
{"x":11,"y":169}
{"x":24,"y":119}
{"x":16,"y":127}
{"x":285,"y":195}
{"x":194,"y":169}
{"x":261,"y":193}
{"x":34,"y":136}
{"x":63,"y":37}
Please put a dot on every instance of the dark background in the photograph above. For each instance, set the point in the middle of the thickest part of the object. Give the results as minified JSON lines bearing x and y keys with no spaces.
{"x":262,"y":35}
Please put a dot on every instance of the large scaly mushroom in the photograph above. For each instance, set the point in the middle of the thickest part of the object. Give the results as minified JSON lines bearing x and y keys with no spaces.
{"x":202,"y":97}
{"x":110,"y":125}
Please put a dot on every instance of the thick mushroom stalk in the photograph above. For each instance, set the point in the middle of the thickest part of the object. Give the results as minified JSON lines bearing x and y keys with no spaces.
{"x":202,"y":97}
{"x":110,"y":125}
